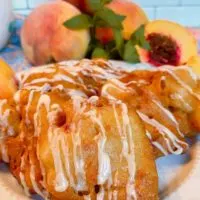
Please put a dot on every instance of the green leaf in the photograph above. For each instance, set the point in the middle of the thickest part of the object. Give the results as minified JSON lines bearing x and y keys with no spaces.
{"x":100,"y":23}
{"x":79,"y":22}
{"x":95,"y":4}
{"x":130,"y":53}
{"x":99,"y":53}
{"x":121,"y":18}
{"x":94,"y":43}
{"x":110,"y":46}
{"x":106,"y":1}
{"x":145,"y":45}
{"x":119,"y":40}
{"x":110,"y":18}
{"x":139,"y":33}
{"x":138,"y":37}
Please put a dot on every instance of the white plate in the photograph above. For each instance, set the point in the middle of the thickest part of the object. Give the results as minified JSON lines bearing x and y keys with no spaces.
{"x":179,"y":176}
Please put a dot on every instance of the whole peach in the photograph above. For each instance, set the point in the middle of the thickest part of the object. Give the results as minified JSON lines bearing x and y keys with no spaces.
{"x":74,"y":3}
{"x":8,"y":85}
{"x":82,"y":5}
{"x":135,"y":17}
{"x":45,"y":39}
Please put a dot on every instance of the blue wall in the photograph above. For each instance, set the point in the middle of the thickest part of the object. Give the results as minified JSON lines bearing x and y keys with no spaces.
{"x":186,"y":12}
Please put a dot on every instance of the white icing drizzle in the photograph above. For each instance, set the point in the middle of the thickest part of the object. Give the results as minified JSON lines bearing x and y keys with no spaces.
{"x":93,"y":100}
{"x":104,"y":168}
{"x":17,"y":97}
{"x":129,"y":153}
{"x":33,"y":181}
{"x":163,"y":78}
{"x":39,"y":70}
{"x":105,"y":93}
{"x":65,"y":151}
{"x":126,"y":135}
{"x":104,"y":163}
{"x":22,"y":177}
{"x":87,"y":197}
{"x":193,"y":75}
{"x":156,"y":144}
{"x":91,"y":69}
{"x":74,"y":93}
{"x":43,"y":100}
{"x":177,"y":96}
{"x":45,"y":88}
{"x":78,"y":158}
{"x":58,"y":140}
{"x":138,"y":82}
{"x":181,"y":82}
{"x":120,"y":85}
{"x":166,"y":133}
{"x":30,"y":98}
{"x":54,"y":137}
{"x":4,"y":124}
{"x":116,"y":184}
{"x":115,"y":195}
{"x":4,"y":118}
{"x":58,"y":87}
{"x":101,"y":194}
{"x":170,"y":115}
{"x":87,"y":68}
{"x":57,"y":77}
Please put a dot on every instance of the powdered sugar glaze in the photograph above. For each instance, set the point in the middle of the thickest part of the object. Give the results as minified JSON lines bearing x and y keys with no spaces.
{"x":72,"y":75}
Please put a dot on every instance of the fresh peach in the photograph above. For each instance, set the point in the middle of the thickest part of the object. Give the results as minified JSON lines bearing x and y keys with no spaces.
{"x":82,"y":5}
{"x":171,"y":44}
{"x":8,"y":84}
{"x":45,"y":39}
{"x":135,"y":17}
{"x":74,"y":3}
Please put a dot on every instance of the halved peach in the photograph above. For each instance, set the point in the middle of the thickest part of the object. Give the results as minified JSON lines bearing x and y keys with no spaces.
{"x":171,"y":44}
{"x":8,"y":85}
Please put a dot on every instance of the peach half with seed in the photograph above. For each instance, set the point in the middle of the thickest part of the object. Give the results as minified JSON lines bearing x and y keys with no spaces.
{"x":171,"y":44}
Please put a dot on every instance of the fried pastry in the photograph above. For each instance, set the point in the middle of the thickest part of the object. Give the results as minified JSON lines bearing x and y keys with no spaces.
{"x":166,"y":99}
{"x":9,"y":125}
{"x":83,"y":149}
{"x":88,"y":130}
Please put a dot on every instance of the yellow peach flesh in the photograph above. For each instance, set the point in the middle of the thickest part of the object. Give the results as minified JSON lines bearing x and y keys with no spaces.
{"x":194,"y":63}
{"x":8,"y":84}
{"x":184,"y":39}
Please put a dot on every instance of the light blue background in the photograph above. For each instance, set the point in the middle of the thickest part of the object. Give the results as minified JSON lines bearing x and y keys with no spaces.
{"x":185,"y":12}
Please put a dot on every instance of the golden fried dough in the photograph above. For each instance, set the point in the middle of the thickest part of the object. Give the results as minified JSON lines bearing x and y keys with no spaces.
{"x":88,"y":130}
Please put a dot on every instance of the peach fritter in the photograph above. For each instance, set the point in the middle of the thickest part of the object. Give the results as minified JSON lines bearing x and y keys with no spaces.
{"x":90,"y":130}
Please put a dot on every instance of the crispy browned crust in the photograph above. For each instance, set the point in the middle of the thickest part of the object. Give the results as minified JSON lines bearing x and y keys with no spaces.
{"x":43,"y":116}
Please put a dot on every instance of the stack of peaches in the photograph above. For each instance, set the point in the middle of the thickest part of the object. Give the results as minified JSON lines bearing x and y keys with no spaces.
{"x":113,"y":29}
{"x":110,"y":29}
